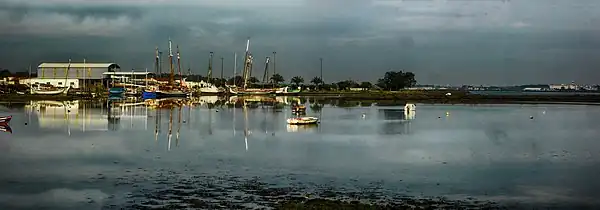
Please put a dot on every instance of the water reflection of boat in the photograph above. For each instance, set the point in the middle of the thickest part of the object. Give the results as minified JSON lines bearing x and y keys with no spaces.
{"x":302,"y":128}
{"x":165,"y":103}
{"x":299,"y":109}
{"x":5,"y":128}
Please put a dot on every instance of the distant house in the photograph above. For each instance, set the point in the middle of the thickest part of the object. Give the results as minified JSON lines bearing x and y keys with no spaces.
{"x":534,"y":89}
{"x":359,"y":89}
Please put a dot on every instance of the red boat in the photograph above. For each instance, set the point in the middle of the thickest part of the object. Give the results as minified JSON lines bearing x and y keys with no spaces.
{"x":5,"y":119}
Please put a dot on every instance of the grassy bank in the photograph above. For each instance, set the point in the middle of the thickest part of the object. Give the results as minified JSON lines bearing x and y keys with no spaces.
{"x":382,"y":97}
{"x":455,"y":97}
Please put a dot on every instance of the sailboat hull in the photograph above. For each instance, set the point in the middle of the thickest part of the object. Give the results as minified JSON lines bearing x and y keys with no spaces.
{"x":50,"y":92}
{"x":149,"y":95}
{"x":116,"y":91}
{"x":170,"y":94}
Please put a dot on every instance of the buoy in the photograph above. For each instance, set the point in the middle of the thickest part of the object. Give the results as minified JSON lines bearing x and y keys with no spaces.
{"x":531,"y":117}
{"x":364,"y":115}
{"x":447,"y":113}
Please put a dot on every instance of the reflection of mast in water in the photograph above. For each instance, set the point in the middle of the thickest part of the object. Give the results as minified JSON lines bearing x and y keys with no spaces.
{"x":68,"y":118}
{"x":170,"y":128}
{"x":234,"y":108}
{"x":245,"y":123}
{"x":84,"y":116}
{"x":189,"y":115}
{"x":156,"y":123}
{"x":210,"y":122}
{"x":178,"y":127}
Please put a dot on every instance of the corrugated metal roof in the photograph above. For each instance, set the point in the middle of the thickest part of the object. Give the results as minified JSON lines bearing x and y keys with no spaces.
{"x":75,"y":65}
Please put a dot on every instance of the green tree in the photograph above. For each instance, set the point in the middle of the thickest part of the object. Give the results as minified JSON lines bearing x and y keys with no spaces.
{"x":277,"y":78}
{"x":366,"y":85}
{"x":317,"y":81}
{"x":397,"y":80}
{"x":346,"y":84}
{"x":237,"y":81}
{"x":253,"y":80}
{"x":297,"y":80}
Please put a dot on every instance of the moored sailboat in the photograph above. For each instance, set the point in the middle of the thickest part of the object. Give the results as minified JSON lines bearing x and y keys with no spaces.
{"x":170,"y":89}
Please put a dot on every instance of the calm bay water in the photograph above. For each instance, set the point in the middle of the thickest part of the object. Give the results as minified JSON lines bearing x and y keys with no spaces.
{"x":79,"y":159}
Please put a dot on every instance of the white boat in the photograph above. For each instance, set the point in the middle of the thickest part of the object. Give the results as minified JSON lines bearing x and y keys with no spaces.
{"x":302,"y":120}
{"x":50,"y":92}
{"x":212,"y":89}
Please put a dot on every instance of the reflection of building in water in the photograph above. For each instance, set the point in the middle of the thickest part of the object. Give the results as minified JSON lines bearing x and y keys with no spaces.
{"x":79,"y":116}
{"x":396,"y":121}
{"x":302,"y":128}
{"x":203,"y":100}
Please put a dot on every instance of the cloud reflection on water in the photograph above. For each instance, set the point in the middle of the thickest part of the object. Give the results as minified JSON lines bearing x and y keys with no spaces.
{"x":485,"y":152}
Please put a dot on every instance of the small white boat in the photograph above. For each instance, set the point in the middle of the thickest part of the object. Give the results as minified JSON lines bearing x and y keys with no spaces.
{"x":50,"y":92}
{"x":302,"y":120}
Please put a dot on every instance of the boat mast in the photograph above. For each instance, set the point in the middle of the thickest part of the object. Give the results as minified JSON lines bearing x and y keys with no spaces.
{"x":157,"y":62}
{"x":222,"y":60}
{"x":84,"y":73}
{"x":266,"y":75}
{"x":30,"y":84}
{"x":179,"y":67}
{"x":234,"y":67}
{"x":171,"y":63}
{"x":67,"y":72}
{"x":209,"y":74}
{"x":247,"y":64}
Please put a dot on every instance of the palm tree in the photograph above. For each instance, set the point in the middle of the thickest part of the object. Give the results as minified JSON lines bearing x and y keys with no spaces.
{"x":277,"y":78}
{"x":297,"y":80}
{"x":317,"y":81}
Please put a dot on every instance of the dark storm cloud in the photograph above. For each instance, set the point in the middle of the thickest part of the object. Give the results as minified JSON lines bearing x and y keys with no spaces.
{"x":18,"y":11}
{"x":443,"y":42}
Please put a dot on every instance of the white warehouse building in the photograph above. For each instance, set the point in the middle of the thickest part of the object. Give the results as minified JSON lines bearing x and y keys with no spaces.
{"x":73,"y":74}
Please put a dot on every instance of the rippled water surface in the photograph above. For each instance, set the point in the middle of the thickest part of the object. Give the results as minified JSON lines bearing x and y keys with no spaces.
{"x":79,"y":159}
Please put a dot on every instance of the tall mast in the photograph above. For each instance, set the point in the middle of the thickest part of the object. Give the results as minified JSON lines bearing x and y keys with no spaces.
{"x":156,"y":61}
{"x":247,"y":64}
{"x":84,"y":72}
{"x":30,"y":84}
{"x":171,"y":62}
{"x":234,"y":66}
{"x":178,"y":63}
{"x":222,"y":68}
{"x":67,"y":72}
{"x":209,"y":74}
{"x":266,"y":75}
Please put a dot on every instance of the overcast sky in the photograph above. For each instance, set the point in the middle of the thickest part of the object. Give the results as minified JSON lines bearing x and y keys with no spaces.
{"x":441,"y":41}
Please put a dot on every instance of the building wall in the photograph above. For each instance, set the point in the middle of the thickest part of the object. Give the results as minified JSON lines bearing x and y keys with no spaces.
{"x":564,"y":87}
{"x":75,"y":70}
{"x":73,"y":73}
{"x":74,"y":83}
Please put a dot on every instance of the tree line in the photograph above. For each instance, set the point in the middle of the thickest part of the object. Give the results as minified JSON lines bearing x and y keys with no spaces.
{"x":391,"y":80}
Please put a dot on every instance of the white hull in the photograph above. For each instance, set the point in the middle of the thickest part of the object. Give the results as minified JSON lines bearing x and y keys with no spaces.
{"x":49,"y":92}
{"x":210,"y":90}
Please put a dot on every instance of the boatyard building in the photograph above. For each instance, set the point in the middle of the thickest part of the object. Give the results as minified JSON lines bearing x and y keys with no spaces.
{"x":74,"y":75}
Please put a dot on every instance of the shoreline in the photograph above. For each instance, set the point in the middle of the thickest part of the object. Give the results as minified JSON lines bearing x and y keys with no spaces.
{"x":426,"y":97}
